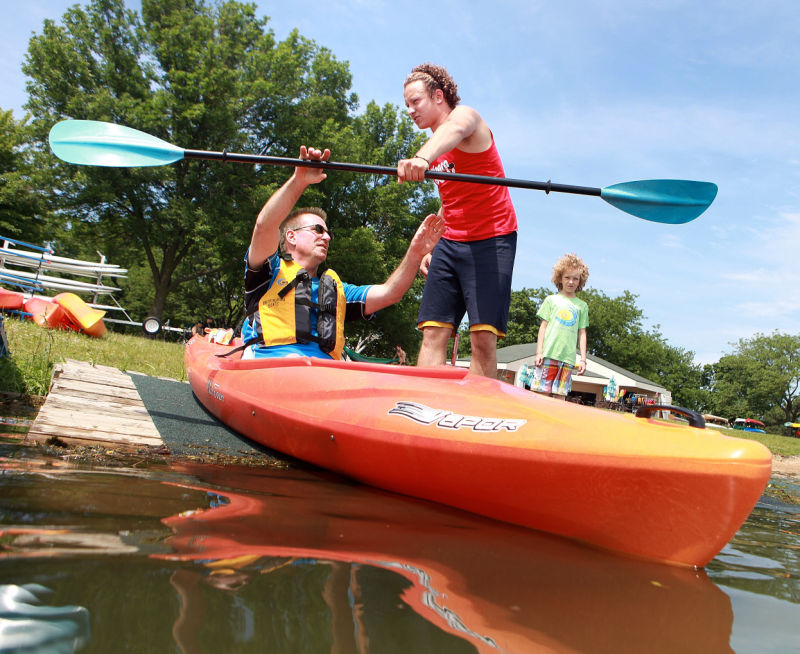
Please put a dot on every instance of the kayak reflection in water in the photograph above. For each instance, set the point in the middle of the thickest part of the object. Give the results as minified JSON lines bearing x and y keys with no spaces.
{"x":299,"y":559}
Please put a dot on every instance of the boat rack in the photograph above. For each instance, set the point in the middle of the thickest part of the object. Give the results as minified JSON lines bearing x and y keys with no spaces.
{"x":25,"y":265}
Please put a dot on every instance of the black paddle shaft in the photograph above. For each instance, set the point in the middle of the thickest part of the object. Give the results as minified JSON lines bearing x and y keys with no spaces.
{"x":387,"y":170}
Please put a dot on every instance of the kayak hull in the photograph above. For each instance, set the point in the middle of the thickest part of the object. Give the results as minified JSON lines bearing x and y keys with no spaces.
{"x":643,"y":487}
{"x":82,"y":317}
{"x":66,"y":311}
{"x":11,"y":299}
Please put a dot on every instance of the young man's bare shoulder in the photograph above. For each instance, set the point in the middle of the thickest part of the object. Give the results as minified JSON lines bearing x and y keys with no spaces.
{"x":479,"y":136}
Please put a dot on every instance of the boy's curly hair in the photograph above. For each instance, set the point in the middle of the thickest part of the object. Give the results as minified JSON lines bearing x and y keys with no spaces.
{"x":435,"y":77}
{"x":570,"y":261}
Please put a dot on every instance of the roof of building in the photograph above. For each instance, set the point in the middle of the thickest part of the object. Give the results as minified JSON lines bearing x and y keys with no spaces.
{"x":622,"y":370}
{"x":512,"y":353}
{"x":515,"y":352}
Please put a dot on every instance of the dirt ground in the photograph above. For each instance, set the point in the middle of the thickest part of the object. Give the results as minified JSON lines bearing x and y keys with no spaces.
{"x":786,"y":465}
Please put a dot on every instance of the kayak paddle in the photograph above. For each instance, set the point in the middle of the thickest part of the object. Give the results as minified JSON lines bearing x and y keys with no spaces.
{"x":95,"y":143}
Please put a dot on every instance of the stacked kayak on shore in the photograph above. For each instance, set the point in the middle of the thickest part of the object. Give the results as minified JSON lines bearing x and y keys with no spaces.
{"x":644,"y":487}
{"x":64,"y":311}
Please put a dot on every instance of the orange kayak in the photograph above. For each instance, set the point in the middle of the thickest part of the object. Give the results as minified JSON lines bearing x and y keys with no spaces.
{"x":66,"y":311}
{"x":82,"y":317}
{"x":639,"y":486}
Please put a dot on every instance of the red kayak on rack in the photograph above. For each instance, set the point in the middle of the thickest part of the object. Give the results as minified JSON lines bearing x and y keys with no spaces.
{"x":637,"y":485}
{"x":11,"y":299}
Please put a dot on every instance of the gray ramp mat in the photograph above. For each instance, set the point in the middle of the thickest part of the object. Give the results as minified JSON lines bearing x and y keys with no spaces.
{"x":185,"y":425}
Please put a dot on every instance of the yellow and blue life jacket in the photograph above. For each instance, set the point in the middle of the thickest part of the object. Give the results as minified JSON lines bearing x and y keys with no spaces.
{"x":285,"y":310}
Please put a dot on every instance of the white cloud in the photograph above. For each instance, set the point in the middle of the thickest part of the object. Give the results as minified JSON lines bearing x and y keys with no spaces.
{"x":671,"y":241}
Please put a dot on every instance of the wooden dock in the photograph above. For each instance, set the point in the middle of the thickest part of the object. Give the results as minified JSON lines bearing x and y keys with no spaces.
{"x":94,"y":405}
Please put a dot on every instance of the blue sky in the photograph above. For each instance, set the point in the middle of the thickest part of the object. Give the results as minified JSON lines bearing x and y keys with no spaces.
{"x":592,"y":94}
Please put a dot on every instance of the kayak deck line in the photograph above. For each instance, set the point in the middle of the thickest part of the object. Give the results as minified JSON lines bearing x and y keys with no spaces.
{"x":94,"y":405}
{"x":444,"y":372}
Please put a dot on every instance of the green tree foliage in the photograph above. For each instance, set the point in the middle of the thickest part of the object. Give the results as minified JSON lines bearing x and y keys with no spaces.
{"x":523,"y":324}
{"x":676,"y":370}
{"x":212,"y":76}
{"x":759,"y":379}
{"x":616,"y":332}
{"x":22,"y":207}
{"x":194,"y":75}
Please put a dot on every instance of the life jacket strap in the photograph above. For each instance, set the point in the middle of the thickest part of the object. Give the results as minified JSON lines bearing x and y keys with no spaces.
{"x":302,"y":276}
{"x":244,"y":346}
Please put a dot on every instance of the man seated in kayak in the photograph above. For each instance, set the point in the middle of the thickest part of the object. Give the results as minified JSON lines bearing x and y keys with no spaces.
{"x":291,"y":309}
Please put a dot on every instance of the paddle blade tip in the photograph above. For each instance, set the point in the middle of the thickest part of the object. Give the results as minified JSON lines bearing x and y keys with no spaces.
{"x":669,"y":201}
{"x":96,"y":143}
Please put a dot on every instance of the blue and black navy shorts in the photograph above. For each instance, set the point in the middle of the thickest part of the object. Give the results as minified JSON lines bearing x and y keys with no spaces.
{"x":473,"y":278}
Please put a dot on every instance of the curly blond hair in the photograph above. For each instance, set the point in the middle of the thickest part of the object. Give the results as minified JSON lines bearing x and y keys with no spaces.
{"x":570,"y":261}
{"x":435,"y":77}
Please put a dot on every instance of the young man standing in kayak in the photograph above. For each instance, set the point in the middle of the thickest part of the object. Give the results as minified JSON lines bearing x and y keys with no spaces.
{"x":470,"y":269}
{"x":291,"y":309}
{"x":565,"y":318}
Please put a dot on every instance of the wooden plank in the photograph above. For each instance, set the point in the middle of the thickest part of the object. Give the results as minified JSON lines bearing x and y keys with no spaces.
{"x":94,"y":378}
{"x":74,"y":416}
{"x":72,"y":366}
{"x":68,"y":386}
{"x":97,"y":377}
{"x":45,"y":430}
{"x":94,"y":405}
{"x":97,"y":438}
{"x":100,"y":403}
{"x":87,"y":395}
{"x":130,"y":429}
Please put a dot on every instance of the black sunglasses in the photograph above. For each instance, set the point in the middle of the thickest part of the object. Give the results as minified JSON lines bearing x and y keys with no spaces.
{"x":319,"y":229}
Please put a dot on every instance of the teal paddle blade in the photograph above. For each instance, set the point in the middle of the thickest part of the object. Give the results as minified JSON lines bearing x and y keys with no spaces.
{"x":94,"y":143}
{"x":672,"y":201}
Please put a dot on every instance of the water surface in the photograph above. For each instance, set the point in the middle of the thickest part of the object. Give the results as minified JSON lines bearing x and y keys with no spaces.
{"x":209,"y":559}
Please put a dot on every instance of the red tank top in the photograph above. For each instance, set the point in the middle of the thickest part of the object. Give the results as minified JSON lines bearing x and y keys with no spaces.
{"x":474,"y":211}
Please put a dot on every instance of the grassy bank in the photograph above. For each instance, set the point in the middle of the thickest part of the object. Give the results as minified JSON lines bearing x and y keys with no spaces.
{"x":777,"y":443}
{"x":34,"y":352}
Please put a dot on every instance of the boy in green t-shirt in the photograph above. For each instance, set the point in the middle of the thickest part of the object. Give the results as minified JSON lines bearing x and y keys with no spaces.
{"x":565,"y":318}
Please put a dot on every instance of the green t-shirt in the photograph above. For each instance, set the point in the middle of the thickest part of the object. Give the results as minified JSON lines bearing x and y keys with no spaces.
{"x":564,"y":316}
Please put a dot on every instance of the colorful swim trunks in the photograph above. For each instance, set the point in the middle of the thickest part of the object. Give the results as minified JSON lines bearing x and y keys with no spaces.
{"x":553,"y":376}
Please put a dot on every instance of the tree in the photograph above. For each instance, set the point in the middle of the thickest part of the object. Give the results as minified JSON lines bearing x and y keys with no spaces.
{"x":675,"y":369}
{"x":22,"y":209}
{"x":523,"y":324}
{"x":212,"y":77}
{"x":206,"y":77}
{"x":760,"y":378}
